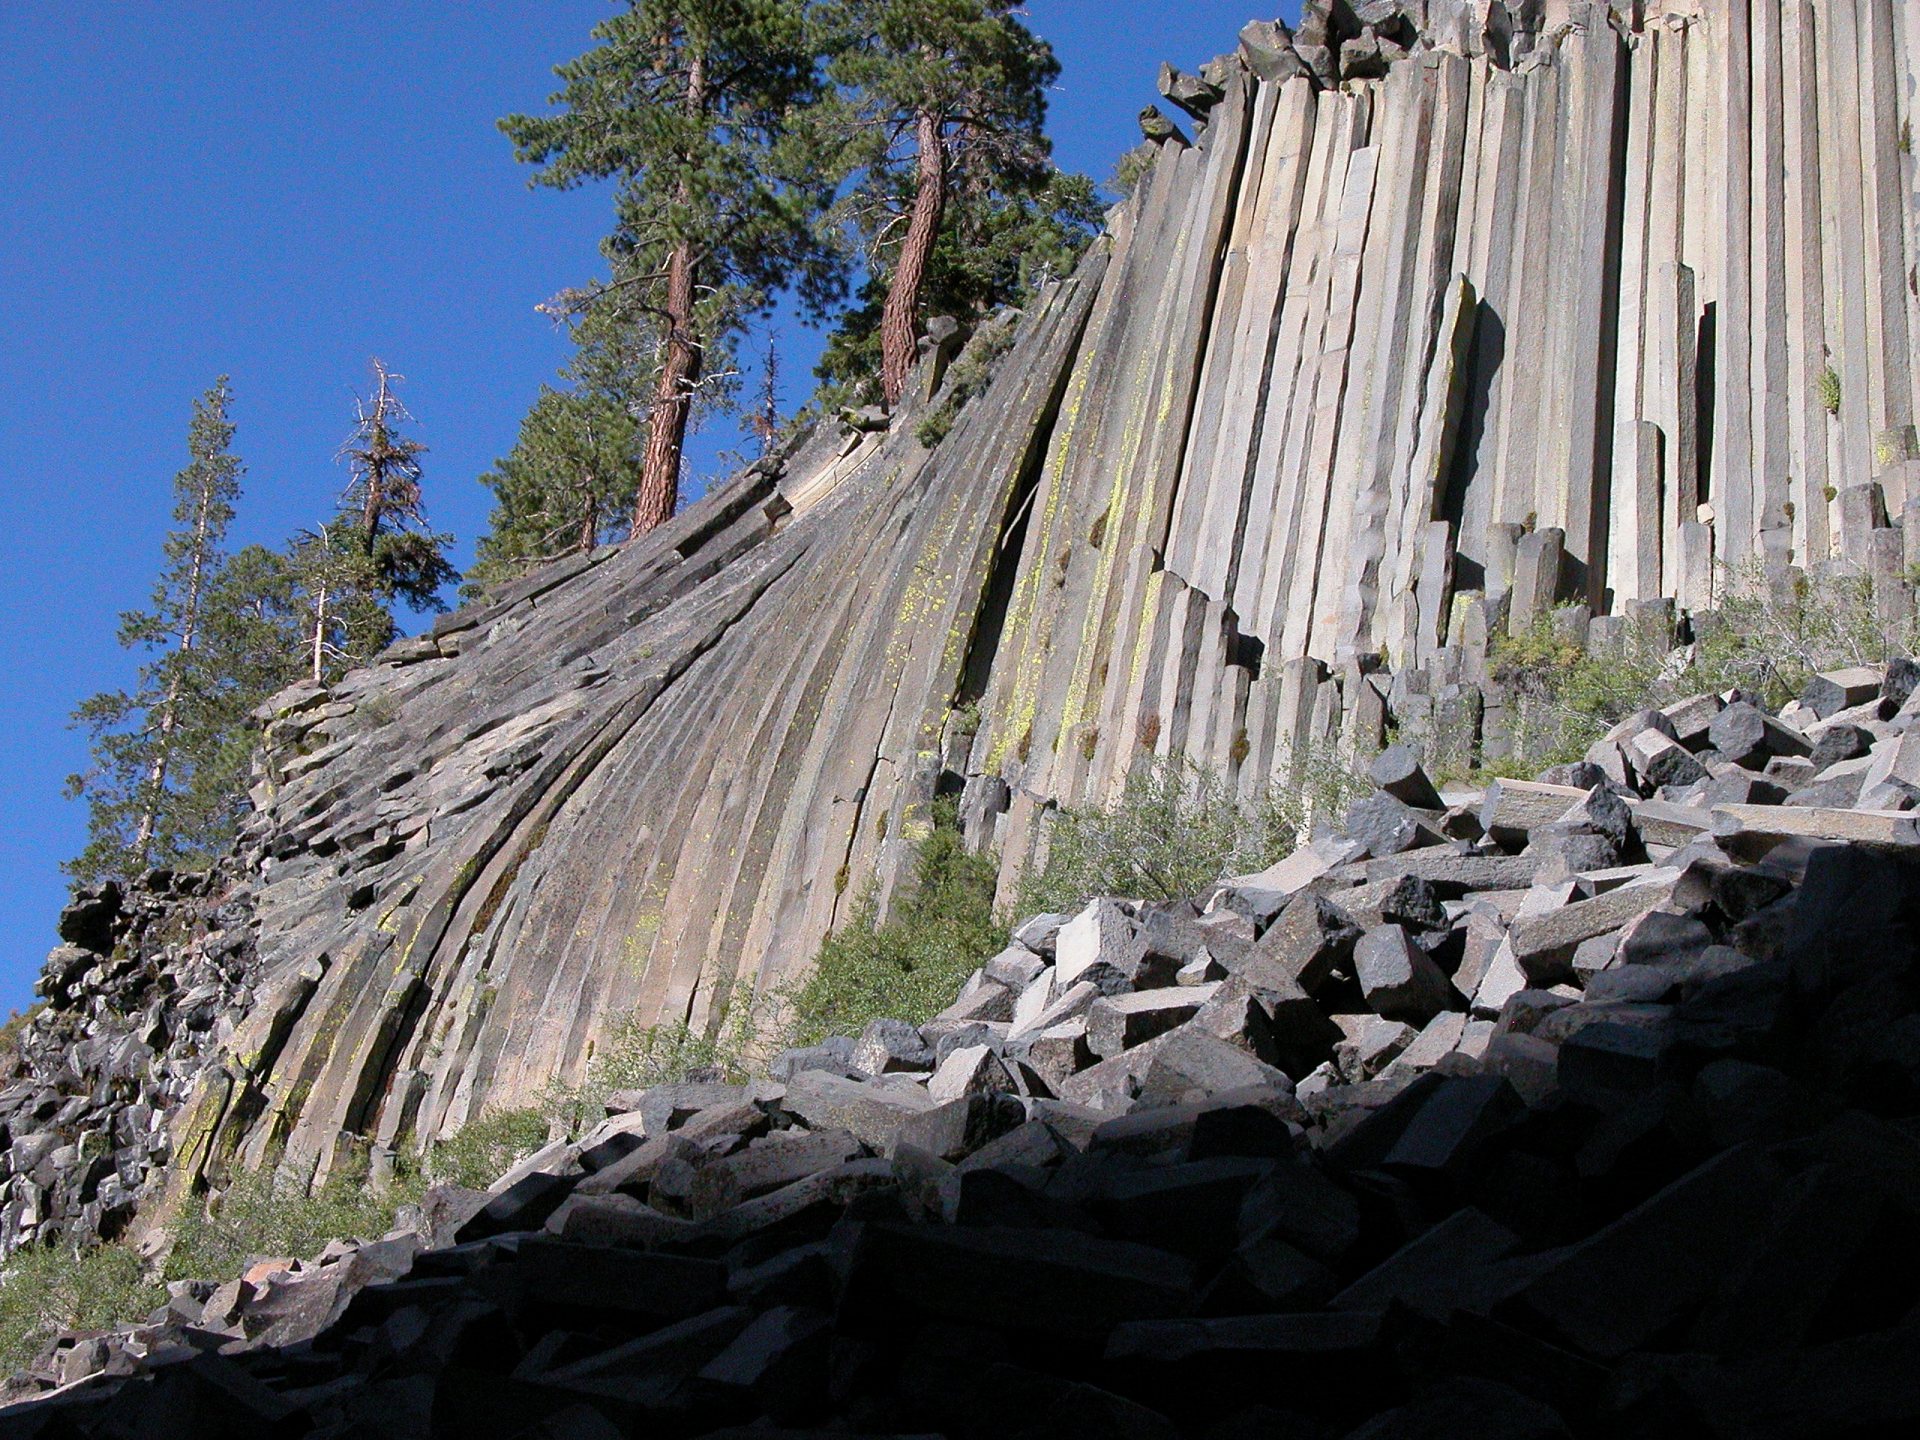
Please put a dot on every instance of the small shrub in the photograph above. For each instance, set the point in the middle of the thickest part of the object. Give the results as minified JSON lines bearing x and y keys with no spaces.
{"x":911,"y":966}
{"x":1563,"y":698}
{"x":1827,"y":388}
{"x":1132,"y":168}
{"x":938,"y":424}
{"x":1176,"y":828}
{"x":1321,"y":785}
{"x":484,"y":1149}
{"x":1773,"y":632}
{"x":636,"y":1055}
{"x":1769,"y":635}
{"x":265,"y":1213}
{"x":969,"y":376}
{"x":49,"y":1288}
{"x":378,"y":708}
{"x":13,"y":1031}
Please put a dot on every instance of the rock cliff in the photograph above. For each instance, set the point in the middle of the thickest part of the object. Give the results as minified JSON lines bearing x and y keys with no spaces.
{"x":1449,"y":312}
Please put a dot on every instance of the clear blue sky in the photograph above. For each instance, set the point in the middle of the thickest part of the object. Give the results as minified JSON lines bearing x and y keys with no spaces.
{"x":279,"y":192}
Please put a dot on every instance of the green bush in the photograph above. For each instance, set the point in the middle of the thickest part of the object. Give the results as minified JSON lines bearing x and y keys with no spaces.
{"x":1562,"y":699}
{"x":971,"y":374}
{"x":11,"y":1033}
{"x":1133,"y":168}
{"x":632,"y":1055}
{"x":1178,"y":827}
{"x":1826,"y":386}
{"x":49,"y":1288}
{"x":1321,"y":784}
{"x":911,"y":966}
{"x":1773,"y":632}
{"x":484,"y":1149}
{"x":263,"y":1213}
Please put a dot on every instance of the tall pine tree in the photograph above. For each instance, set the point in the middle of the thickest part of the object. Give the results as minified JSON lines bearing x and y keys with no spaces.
{"x":171,"y":757}
{"x":690,"y":106}
{"x":152,"y":745}
{"x":939,"y":108}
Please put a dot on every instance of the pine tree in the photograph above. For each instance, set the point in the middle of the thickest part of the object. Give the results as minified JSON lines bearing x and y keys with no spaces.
{"x":248,"y":650}
{"x":690,"y":106}
{"x":149,"y":743}
{"x":384,"y":504}
{"x":940,"y":107}
{"x":567,"y":486}
{"x":995,"y":249}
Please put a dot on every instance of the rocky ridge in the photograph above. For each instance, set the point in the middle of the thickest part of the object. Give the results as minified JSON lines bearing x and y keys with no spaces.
{"x":1579,"y":1106}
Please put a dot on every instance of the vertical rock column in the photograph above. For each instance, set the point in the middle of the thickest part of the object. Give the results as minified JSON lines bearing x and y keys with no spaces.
{"x":1847,"y":341}
{"x":1386,"y":319}
{"x":1316,"y":331}
{"x":1733,"y":477}
{"x":1889,"y":294}
{"x":1772,"y":448}
{"x":1488,"y":262}
{"x":1628,"y":537}
{"x":1300,"y":320}
{"x":1518,"y":497}
{"x":1807,"y":420}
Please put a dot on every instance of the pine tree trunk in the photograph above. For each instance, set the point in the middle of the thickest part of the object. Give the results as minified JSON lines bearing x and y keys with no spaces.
{"x":673,"y":394}
{"x":672,"y":401}
{"x":319,"y":633}
{"x":900,"y":318}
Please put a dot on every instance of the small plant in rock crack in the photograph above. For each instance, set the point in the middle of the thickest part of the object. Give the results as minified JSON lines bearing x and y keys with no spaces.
{"x":1826,"y":387}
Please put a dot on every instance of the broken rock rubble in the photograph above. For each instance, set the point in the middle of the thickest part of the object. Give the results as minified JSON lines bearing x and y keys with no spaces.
{"x":1363,"y":1143}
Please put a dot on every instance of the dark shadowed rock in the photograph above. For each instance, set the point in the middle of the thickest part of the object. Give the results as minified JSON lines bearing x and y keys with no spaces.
{"x":1400,"y":980}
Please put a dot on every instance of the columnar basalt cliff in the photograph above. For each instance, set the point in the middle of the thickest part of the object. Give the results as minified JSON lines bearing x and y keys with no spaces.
{"x":1450,"y":312}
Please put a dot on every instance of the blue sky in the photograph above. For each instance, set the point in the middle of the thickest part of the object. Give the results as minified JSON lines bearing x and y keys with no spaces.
{"x":279,"y":192}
